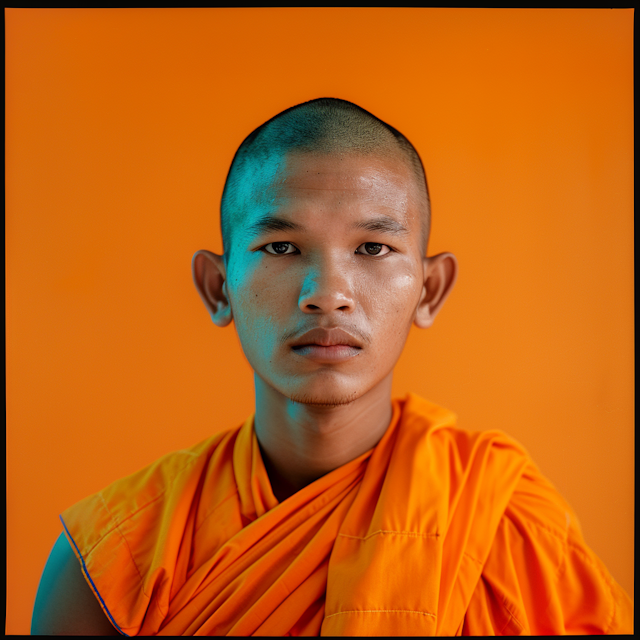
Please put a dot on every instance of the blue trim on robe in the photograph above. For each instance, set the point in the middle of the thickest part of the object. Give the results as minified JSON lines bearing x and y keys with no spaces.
{"x":86,"y":572}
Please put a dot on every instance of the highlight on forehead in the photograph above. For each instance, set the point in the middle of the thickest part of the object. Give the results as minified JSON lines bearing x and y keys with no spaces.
{"x":324,"y":125}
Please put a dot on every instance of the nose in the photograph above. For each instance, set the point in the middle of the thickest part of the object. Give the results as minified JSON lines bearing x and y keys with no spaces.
{"x":326,"y":288}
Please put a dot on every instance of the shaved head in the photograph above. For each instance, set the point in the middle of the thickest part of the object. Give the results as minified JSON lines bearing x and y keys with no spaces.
{"x":324,"y":125}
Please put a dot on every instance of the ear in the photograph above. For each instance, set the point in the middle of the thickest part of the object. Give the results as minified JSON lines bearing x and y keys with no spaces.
{"x":440,"y":273}
{"x":209,"y":276}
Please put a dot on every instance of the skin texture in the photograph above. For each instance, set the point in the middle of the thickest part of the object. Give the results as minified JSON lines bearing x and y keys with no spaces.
{"x":65,"y":604}
{"x":311,"y":416}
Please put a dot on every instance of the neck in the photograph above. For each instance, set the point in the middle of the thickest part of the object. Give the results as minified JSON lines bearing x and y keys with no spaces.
{"x":302,"y":442}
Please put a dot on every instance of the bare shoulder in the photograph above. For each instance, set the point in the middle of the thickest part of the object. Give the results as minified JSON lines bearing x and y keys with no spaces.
{"x":65,"y":603}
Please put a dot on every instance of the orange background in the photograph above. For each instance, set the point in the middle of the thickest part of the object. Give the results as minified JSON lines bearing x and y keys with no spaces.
{"x":121,"y":125}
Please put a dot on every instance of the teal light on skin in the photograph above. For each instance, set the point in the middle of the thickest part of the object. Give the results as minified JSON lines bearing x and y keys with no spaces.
{"x":312,"y":417}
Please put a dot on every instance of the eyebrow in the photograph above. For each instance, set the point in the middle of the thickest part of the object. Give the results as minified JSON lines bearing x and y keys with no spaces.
{"x":382,"y":223}
{"x":270,"y":223}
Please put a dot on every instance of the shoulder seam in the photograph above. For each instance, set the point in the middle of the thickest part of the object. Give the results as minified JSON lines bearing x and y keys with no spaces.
{"x":563,"y":537}
{"x":133,"y":560}
{"x":117,"y":522}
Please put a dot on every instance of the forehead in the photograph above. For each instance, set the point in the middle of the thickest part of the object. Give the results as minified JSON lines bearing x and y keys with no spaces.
{"x":344,"y":170}
{"x":298,"y":181}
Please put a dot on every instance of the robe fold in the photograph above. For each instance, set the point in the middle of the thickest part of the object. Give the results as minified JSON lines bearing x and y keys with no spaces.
{"x":435,"y":531}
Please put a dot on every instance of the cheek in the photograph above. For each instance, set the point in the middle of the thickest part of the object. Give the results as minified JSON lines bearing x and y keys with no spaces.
{"x":394,"y":296}
{"x":394,"y":301}
{"x":256,"y":301}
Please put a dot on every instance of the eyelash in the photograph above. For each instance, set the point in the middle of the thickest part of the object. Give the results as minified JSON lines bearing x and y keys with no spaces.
{"x":263,"y":249}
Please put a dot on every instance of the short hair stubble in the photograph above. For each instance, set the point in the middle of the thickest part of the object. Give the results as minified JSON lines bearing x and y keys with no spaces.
{"x":323,"y":125}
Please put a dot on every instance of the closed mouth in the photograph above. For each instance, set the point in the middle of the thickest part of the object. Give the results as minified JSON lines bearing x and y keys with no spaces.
{"x":320,"y":337}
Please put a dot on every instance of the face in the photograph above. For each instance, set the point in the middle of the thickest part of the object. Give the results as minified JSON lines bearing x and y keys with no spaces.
{"x":326,"y":273}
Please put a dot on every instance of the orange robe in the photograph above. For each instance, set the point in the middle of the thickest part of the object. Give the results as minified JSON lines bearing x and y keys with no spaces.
{"x":435,"y":531}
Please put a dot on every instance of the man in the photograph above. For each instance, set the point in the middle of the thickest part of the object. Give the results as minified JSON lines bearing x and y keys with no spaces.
{"x":334,"y":510}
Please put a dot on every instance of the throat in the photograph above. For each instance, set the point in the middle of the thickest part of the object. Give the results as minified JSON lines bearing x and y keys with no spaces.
{"x":300,"y":443}
{"x":284,"y":486}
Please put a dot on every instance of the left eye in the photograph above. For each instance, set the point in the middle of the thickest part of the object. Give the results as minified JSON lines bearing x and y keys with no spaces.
{"x":373,"y":249}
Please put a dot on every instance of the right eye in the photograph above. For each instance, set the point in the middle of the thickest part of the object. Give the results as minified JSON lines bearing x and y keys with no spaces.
{"x":279,"y":248}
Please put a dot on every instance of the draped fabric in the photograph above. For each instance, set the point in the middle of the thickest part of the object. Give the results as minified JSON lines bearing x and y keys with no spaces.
{"x":435,"y":531}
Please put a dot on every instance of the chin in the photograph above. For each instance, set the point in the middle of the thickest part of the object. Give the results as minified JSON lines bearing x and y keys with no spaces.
{"x":324,"y":400}
{"x":326,"y":395}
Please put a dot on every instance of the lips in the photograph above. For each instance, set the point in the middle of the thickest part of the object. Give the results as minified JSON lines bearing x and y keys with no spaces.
{"x":326,"y":338}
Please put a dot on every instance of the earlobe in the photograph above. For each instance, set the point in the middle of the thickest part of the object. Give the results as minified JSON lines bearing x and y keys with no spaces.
{"x":441,"y":272}
{"x":209,"y":276}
